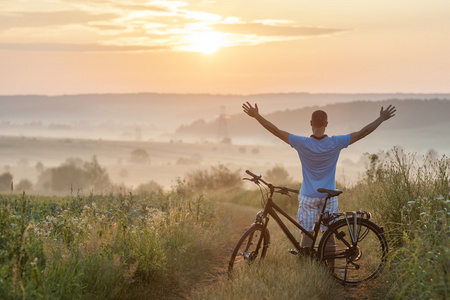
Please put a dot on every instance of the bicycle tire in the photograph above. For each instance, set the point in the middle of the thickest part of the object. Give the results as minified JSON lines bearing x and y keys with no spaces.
{"x":350,"y":264}
{"x":245,"y":251}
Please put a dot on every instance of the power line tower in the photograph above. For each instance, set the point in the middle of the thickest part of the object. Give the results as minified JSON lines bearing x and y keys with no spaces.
{"x":138,"y":133}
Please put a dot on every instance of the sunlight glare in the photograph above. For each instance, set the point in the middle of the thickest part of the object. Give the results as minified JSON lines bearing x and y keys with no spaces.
{"x":205,"y":42}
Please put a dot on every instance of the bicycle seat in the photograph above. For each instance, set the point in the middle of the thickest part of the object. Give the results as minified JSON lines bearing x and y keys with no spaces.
{"x":332,"y":193}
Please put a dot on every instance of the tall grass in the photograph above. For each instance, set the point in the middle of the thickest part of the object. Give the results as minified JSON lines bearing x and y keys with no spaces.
{"x":408,"y":194}
{"x":395,"y":178}
{"x":118,"y":246}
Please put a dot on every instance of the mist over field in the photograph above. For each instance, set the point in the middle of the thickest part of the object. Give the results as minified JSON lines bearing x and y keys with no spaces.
{"x":141,"y":138}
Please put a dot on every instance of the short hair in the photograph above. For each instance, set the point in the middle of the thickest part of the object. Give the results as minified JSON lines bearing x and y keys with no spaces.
{"x":319,"y":118}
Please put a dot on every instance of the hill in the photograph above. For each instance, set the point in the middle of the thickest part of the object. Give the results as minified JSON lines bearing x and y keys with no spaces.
{"x":154,"y":116}
{"x":419,"y":125}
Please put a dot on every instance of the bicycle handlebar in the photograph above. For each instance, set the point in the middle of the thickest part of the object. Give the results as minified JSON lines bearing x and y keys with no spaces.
{"x":281,"y":189}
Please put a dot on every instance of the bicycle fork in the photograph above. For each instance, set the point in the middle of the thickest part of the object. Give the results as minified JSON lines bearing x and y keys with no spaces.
{"x":262,"y":221}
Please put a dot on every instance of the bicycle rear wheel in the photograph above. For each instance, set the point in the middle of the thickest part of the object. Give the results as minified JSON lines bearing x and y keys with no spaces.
{"x":251,"y":247}
{"x":353,"y":260}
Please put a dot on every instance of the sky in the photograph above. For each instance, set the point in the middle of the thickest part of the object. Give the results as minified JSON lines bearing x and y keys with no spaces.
{"x":55,"y":47}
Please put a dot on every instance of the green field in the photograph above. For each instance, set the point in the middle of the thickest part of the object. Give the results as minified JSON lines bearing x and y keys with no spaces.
{"x":174,"y":244}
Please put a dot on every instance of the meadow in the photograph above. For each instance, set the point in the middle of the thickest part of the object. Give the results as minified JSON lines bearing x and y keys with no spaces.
{"x":174,"y":244}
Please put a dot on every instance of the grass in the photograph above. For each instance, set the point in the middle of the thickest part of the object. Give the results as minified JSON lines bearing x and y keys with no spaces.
{"x":176,"y":244}
{"x":280,"y":276}
{"x":409,"y":196}
{"x":118,"y":246}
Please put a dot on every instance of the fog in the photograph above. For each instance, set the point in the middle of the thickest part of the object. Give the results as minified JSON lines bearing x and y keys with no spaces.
{"x":142,"y":138}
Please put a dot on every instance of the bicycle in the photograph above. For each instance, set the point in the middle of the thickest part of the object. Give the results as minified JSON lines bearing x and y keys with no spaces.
{"x":358,"y":253}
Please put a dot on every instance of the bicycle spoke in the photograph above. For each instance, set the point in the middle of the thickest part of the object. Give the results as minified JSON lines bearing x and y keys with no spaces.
{"x":353,"y":263}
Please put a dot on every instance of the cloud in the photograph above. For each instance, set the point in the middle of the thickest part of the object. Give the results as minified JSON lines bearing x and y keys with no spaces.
{"x":144,"y":7}
{"x":272,"y":30}
{"x":50,"y":18}
{"x":108,"y":27}
{"x":54,"y":47}
{"x":138,"y":25}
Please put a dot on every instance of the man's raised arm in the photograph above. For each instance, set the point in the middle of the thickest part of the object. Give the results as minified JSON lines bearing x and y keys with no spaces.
{"x":254,"y":113}
{"x":386,"y":114}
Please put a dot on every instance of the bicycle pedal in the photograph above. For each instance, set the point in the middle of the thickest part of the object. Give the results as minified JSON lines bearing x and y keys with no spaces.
{"x":293,"y":252}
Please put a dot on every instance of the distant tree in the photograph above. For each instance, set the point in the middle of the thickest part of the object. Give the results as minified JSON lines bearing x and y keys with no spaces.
{"x":278,"y":174}
{"x":24,"y":185}
{"x":76,"y":161}
{"x":39,"y":167}
{"x":149,"y":187}
{"x":66,"y":176}
{"x":226,"y":141}
{"x":44,"y":181}
{"x":70,"y":176}
{"x":218,"y":177}
{"x":139,"y":156}
{"x":5,"y":182}
{"x":96,"y":176}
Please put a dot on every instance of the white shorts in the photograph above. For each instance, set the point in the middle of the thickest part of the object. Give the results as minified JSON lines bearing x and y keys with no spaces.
{"x":310,"y":207}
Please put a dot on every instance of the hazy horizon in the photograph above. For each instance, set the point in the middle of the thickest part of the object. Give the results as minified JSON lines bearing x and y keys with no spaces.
{"x":152,"y":116}
{"x":36,"y":132}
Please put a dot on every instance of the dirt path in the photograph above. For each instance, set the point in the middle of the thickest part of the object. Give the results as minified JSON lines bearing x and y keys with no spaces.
{"x":239,"y":218}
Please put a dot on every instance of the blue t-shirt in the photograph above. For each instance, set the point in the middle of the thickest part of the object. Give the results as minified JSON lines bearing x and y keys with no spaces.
{"x":319,"y":159}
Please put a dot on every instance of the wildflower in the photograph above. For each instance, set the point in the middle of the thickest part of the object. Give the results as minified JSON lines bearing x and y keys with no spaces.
{"x":411,"y":202}
{"x":34,"y":262}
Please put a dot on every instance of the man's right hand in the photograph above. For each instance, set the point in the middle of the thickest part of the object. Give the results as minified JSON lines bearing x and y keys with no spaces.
{"x":254,"y":113}
{"x":250,"y":110}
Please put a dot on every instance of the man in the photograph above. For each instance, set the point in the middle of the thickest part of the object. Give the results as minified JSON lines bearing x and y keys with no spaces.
{"x":318,"y":154}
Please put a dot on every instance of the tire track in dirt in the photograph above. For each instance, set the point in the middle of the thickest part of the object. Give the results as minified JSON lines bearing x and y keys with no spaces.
{"x":238,"y":219}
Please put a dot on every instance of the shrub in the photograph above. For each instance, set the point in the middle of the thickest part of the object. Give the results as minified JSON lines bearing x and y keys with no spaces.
{"x":149,"y":187}
{"x":139,"y":156}
{"x":75,"y":174}
{"x":218,"y":177}
{"x":5,"y":182}
{"x":278,"y":175}
{"x":24,"y":185}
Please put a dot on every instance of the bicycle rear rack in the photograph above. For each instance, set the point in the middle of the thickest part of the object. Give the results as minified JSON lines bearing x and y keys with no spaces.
{"x":354,"y":215}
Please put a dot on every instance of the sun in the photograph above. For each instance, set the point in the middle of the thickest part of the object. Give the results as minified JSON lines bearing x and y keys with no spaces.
{"x":206,"y":42}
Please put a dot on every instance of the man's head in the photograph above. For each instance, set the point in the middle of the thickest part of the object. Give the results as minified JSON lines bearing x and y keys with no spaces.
{"x":319,"y":119}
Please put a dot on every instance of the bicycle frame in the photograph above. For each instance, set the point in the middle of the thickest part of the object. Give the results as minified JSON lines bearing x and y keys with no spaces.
{"x":272,"y":209}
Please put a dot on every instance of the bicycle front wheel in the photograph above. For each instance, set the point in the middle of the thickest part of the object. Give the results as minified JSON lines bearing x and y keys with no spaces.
{"x":251,"y":247}
{"x":354,"y":252}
